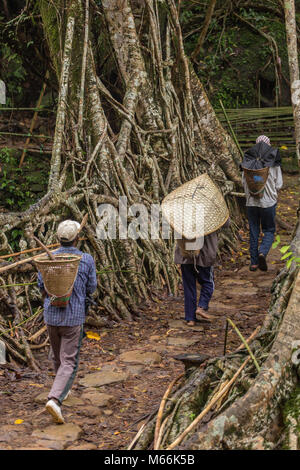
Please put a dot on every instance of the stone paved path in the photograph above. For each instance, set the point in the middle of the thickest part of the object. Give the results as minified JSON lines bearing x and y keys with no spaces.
{"x":122,"y":377}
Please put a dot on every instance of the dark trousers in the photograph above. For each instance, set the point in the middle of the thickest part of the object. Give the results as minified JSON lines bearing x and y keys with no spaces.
{"x":65,"y":344}
{"x":190,"y":276}
{"x":263,"y":218}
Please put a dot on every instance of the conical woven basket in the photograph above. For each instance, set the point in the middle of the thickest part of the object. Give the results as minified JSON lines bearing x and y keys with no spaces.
{"x":181,"y":208}
{"x":58,"y":275}
{"x":256,"y":180}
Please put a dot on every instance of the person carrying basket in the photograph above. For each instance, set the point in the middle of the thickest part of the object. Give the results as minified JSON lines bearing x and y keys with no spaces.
{"x":64,"y":315}
{"x":262,"y":179}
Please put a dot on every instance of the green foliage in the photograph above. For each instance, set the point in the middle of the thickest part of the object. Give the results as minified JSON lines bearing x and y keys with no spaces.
{"x":286,"y":252}
{"x":13,"y":74}
{"x":235,"y":55}
{"x":18,"y":185}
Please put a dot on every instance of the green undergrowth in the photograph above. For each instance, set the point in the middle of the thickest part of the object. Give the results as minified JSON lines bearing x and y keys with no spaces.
{"x":21,"y":187}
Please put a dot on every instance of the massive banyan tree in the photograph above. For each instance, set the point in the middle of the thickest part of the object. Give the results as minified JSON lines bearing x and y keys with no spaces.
{"x":132,"y":120}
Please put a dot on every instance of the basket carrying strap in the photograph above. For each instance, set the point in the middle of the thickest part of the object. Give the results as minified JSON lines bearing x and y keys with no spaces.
{"x":258,"y":192}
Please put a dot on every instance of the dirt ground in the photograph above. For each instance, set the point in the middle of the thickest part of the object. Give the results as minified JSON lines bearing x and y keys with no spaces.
{"x":111,"y":396}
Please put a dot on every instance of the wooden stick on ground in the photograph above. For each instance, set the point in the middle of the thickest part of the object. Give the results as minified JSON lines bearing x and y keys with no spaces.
{"x":208,"y":407}
{"x":161,"y":410}
{"x":248,"y":340}
{"x":244,"y":342}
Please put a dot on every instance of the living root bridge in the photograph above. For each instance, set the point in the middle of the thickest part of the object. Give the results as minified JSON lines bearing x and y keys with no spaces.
{"x":248,"y":409}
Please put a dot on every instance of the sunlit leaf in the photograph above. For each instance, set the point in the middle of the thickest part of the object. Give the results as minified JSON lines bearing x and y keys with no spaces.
{"x":287,"y":255}
{"x":93,"y":335}
{"x":284,"y":249}
{"x":289,"y":262}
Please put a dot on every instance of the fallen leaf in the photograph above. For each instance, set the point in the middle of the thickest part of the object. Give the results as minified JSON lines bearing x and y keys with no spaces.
{"x":93,"y":335}
{"x":37,"y":385}
{"x":19,"y":421}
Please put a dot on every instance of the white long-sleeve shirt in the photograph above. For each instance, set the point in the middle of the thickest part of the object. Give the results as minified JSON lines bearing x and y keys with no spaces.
{"x":269,"y":197}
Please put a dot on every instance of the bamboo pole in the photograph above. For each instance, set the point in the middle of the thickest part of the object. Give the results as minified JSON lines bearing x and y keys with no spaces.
{"x":34,"y":119}
{"x":208,"y":407}
{"x":244,"y":343}
{"x":31,"y":250}
{"x":19,"y":134}
{"x":161,"y":410}
{"x":27,"y":109}
{"x":231,"y":129}
{"x":18,"y":263}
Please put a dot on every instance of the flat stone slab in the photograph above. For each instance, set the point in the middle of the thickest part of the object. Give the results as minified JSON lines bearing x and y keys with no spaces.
{"x":135,"y":369}
{"x":192,"y":360}
{"x":53,"y":445}
{"x":87,"y":446}
{"x":238,"y":282}
{"x":98,"y":379}
{"x":66,"y":433}
{"x":215,"y":306}
{"x":242,"y":291}
{"x":181,"y":325}
{"x":6,"y":436}
{"x":33,"y":448}
{"x":267,"y":283}
{"x":41,"y":398}
{"x":140,"y":357}
{"x":90,"y":411}
{"x":98,"y":399}
{"x":73,"y":401}
{"x":176,"y":341}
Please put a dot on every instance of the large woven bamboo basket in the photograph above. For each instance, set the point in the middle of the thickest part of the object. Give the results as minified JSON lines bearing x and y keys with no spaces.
{"x":180,"y":208}
{"x":59,"y":274}
{"x":256,"y":180}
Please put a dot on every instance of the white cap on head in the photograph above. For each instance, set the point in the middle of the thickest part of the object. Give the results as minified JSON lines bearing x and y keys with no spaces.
{"x":67,"y":230}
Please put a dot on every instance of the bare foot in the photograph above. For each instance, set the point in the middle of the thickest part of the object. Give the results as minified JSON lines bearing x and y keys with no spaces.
{"x":203,"y":314}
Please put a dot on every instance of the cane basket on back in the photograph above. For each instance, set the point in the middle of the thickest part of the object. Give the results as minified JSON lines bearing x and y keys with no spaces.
{"x":59,"y":276}
{"x":256,"y":180}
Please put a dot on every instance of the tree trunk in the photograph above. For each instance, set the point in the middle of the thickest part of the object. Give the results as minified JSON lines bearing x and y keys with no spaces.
{"x":207,"y":21}
{"x":291,"y":35}
{"x":138,"y":128}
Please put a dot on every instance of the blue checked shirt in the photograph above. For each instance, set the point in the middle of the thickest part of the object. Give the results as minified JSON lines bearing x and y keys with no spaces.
{"x":86,"y":282}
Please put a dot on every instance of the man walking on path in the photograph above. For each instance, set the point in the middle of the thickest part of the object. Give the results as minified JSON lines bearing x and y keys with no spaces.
{"x":261,"y":206}
{"x":200,"y":269}
{"x":65,"y":324}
